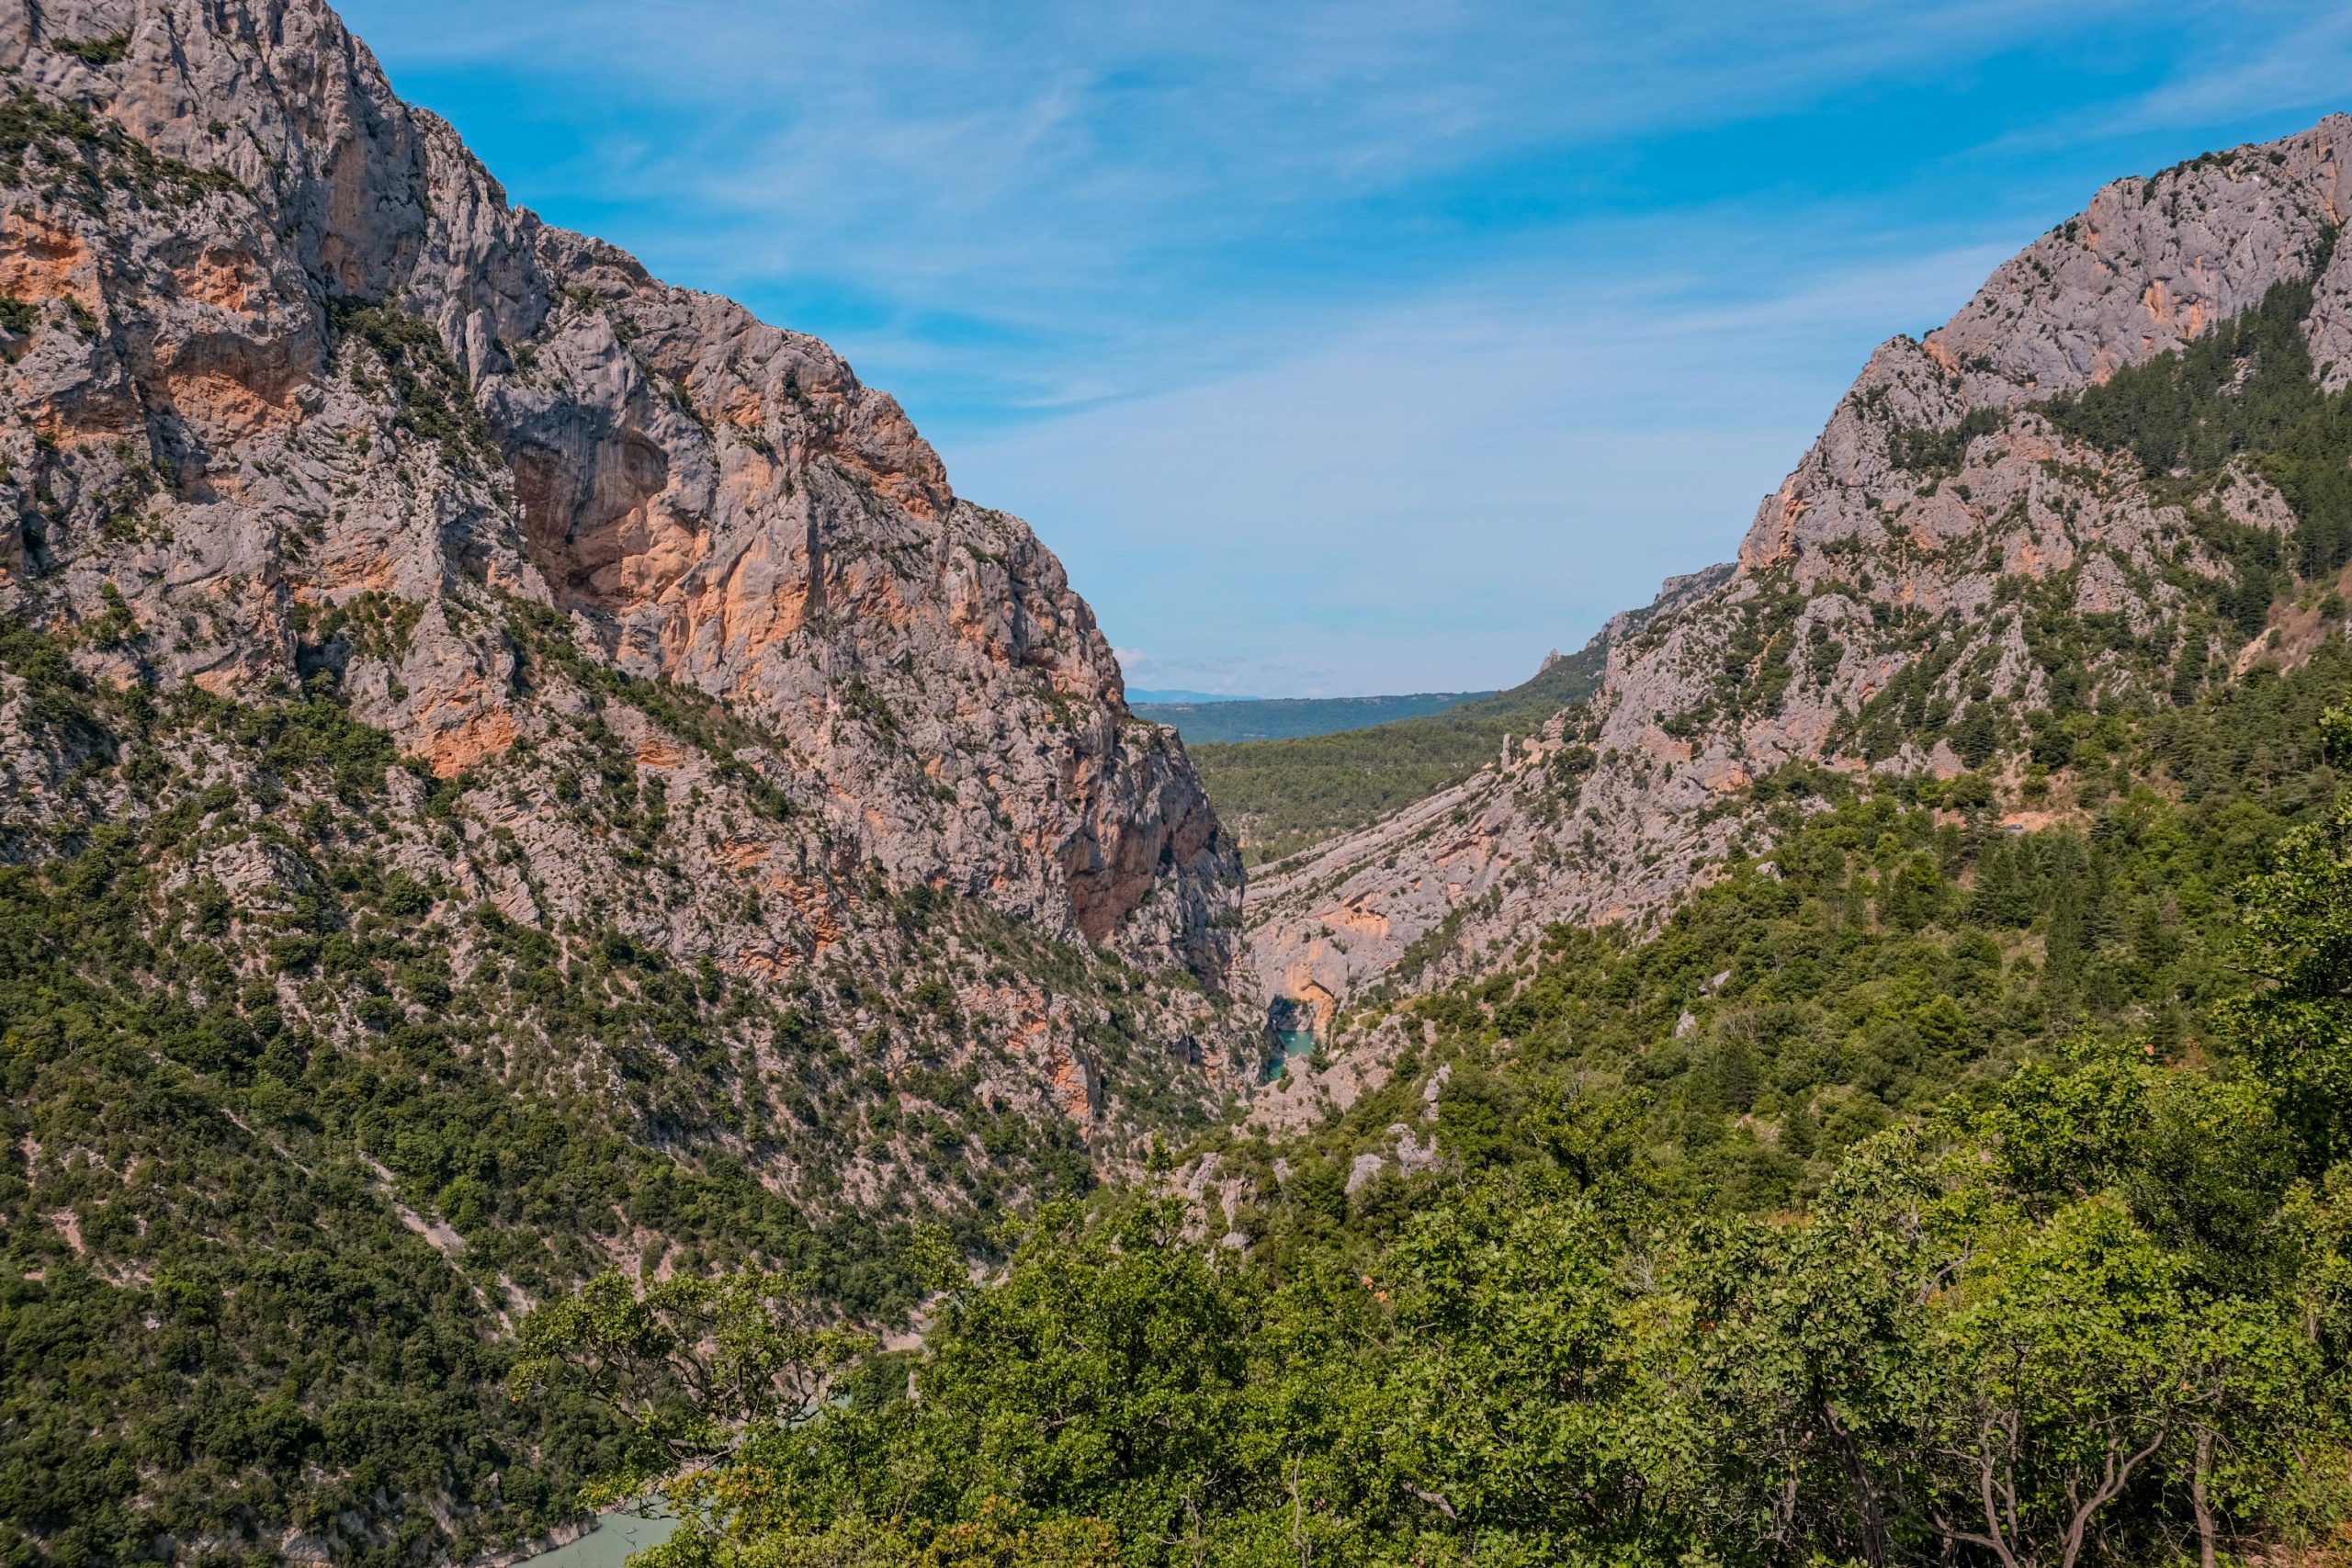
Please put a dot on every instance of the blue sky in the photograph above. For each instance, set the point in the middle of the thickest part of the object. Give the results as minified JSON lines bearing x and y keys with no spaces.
{"x":1355,"y":347}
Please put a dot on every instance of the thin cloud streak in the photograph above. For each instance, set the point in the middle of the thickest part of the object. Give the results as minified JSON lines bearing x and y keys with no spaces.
{"x":1500,"y":470}
{"x":1383,"y":344}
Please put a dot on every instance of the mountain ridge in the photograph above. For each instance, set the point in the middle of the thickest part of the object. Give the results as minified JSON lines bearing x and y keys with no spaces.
{"x":644,"y":482}
{"x":1902,"y":552}
{"x":507,"y":770}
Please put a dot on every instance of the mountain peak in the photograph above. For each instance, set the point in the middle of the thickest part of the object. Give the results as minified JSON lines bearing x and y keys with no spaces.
{"x":1935,"y":562}
{"x":539,"y":772}
{"x":710,"y":500}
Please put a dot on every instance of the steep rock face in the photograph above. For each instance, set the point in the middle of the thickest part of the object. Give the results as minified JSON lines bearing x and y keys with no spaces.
{"x":1333,"y":918}
{"x":1901,"y":585}
{"x":285,"y":345}
{"x":507,"y":770}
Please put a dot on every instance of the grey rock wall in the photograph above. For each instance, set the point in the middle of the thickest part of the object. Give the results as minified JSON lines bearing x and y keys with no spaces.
{"x":295,"y":348}
{"x":1869,"y":561}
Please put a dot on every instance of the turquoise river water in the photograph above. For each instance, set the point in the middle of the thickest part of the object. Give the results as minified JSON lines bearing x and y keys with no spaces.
{"x":608,"y":1545}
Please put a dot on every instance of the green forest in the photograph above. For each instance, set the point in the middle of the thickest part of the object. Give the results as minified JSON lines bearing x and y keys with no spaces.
{"x":1290,"y":718}
{"x":1281,"y":796}
{"x":1923,"y":1192}
{"x":231,"y":1108}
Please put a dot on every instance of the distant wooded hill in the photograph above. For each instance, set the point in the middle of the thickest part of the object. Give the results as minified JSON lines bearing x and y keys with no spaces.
{"x":1279,"y":795}
{"x":1289,"y":718}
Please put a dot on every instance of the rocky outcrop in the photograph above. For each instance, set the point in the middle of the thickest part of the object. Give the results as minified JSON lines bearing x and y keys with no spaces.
{"x":1889,"y":604}
{"x":279,"y":347}
{"x":538,"y":770}
{"x":1393,"y":900}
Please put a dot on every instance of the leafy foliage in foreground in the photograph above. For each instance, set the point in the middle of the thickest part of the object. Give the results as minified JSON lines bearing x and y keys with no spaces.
{"x":2071,"y":1280}
{"x":295,"y":1127}
{"x":1549,"y":1363}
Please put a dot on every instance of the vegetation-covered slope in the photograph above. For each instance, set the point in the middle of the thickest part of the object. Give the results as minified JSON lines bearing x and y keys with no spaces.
{"x":298,"y":1125}
{"x":1289,"y":718}
{"x":2086,"y":491}
{"x":1281,"y":796}
{"x":1926,"y":1191}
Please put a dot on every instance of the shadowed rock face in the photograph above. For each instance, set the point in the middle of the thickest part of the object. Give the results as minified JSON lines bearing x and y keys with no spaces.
{"x":291,"y":347}
{"x":1936,"y":516}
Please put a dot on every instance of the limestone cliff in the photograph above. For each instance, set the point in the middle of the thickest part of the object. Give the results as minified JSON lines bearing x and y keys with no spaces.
{"x":1950,"y":571}
{"x":279,"y":343}
{"x":507,"y":770}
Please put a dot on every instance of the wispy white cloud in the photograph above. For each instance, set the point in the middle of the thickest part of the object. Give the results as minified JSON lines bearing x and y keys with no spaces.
{"x":2257,"y":68}
{"x":2263,"y":60}
{"x":1349,"y":343}
{"x":1493,"y":471}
